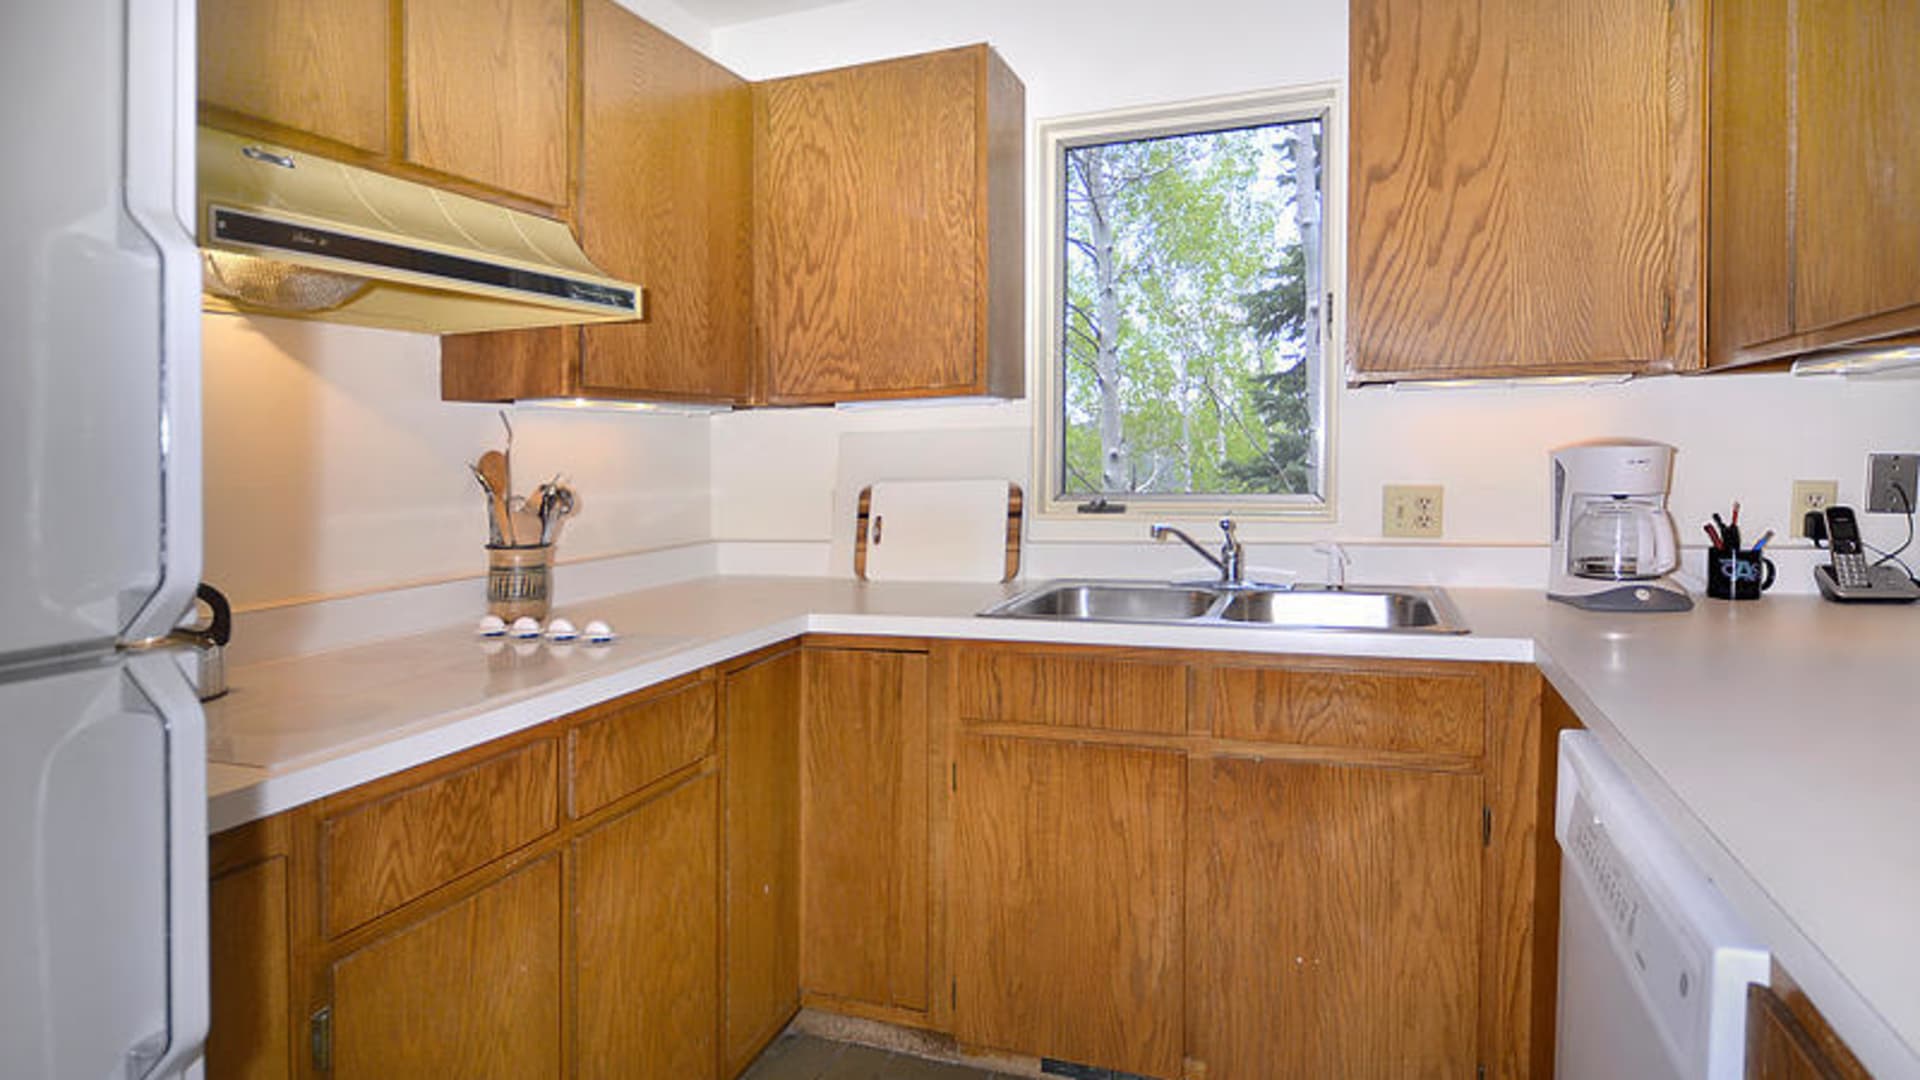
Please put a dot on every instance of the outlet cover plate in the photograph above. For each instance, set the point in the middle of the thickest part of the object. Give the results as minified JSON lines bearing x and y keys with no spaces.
{"x":1810,"y":496}
{"x":1885,"y":472}
{"x":1411,"y":510}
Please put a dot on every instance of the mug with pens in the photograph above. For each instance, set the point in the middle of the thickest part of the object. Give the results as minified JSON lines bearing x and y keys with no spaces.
{"x":1735,"y":572}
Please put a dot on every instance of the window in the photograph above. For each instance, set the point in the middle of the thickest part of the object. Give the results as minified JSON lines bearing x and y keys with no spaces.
{"x":1186,"y":312}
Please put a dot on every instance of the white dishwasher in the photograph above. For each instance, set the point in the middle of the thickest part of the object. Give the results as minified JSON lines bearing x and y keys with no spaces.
{"x":1654,"y":964}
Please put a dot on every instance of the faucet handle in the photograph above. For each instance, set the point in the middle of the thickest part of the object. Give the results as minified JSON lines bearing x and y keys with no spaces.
{"x":1337,"y":562}
{"x":1227,"y":526}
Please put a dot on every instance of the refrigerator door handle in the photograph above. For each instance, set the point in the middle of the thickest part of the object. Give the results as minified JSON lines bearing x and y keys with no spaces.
{"x":159,"y":197}
{"x":160,"y":679}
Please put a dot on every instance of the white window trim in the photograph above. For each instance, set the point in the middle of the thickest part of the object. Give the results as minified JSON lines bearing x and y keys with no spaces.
{"x":1051,"y":139}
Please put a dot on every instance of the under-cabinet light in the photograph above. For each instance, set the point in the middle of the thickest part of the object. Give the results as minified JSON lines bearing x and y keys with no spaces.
{"x":1895,"y":361}
{"x":1516,"y":383}
{"x":662,"y":408}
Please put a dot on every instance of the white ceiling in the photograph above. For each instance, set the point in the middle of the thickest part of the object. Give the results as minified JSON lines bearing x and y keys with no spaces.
{"x":727,"y":12}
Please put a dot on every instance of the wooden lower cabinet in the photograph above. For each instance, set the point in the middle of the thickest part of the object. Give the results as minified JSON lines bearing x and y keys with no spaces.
{"x":1788,"y":1038}
{"x":1288,"y":867}
{"x":1067,"y":901}
{"x":864,"y":779}
{"x":1342,"y":921}
{"x":761,"y":866}
{"x":471,"y":990}
{"x":645,"y":938}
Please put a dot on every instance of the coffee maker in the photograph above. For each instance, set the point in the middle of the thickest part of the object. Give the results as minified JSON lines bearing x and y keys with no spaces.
{"x":1614,"y":543}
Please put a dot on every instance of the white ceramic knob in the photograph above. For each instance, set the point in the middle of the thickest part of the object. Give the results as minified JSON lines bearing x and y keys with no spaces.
{"x":526,"y":626}
{"x":599,"y":631}
{"x":492,"y":626}
{"x":561,"y":630}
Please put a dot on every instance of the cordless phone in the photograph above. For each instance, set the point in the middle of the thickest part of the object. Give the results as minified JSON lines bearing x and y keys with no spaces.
{"x":1848,"y":577}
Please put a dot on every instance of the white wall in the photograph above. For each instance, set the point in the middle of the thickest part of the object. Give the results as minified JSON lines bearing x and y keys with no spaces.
{"x":333,"y":467}
{"x":783,"y":477}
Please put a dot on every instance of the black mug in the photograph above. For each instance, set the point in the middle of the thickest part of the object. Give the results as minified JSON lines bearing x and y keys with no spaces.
{"x":1738,"y":575}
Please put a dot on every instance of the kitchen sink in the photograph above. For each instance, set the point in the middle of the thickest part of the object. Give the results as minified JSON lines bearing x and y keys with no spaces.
{"x":1305,"y":607}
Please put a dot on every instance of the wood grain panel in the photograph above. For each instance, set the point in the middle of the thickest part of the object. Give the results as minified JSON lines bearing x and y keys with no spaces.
{"x":1067,"y":902}
{"x":864,"y":827}
{"x":1001,"y":275}
{"x":665,"y":199}
{"x":623,"y":746}
{"x":645,"y":932}
{"x":487,"y":93}
{"x":762,"y":831}
{"x":1791,"y":1008}
{"x":1749,"y":292}
{"x":1856,"y":127}
{"x":918,"y":229}
{"x":1140,"y":692}
{"x":1359,"y":708}
{"x":1344,"y":917}
{"x":1430,"y":220}
{"x":507,"y":365}
{"x":251,"y":1036}
{"x":470,"y":991}
{"x":1778,"y":1048}
{"x":1509,"y":201}
{"x":1588,"y":87}
{"x":317,"y":68}
{"x":380,"y":855}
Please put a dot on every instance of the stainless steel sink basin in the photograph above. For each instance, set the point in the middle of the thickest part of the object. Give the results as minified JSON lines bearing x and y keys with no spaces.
{"x":1109,"y":601}
{"x":1307,"y":607}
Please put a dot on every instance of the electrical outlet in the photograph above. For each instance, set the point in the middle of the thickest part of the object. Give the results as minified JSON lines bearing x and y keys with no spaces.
{"x":1890,"y":483}
{"x":1410,"y":510}
{"x":1810,"y":497}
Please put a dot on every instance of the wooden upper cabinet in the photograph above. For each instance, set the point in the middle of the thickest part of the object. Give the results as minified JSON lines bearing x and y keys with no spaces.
{"x":287,"y":67}
{"x":665,"y":199}
{"x":889,"y":229}
{"x":474,"y":97}
{"x":487,"y":92}
{"x":1815,"y":176}
{"x":1523,"y":191}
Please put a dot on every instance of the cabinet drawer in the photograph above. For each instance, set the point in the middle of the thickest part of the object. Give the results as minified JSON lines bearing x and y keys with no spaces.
{"x":379,"y":855}
{"x":622,"y":747}
{"x":1063,"y":688}
{"x":1421,"y":710}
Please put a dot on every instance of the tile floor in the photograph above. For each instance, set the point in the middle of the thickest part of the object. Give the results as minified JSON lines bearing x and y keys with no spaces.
{"x":807,"y":1057}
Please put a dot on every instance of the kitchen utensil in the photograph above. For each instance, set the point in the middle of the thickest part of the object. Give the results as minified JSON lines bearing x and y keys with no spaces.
{"x":937,"y":530}
{"x":496,"y":525}
{"x":492,"y":469}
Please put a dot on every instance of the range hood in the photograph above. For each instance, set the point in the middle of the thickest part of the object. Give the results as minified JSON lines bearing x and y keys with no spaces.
{"x":287,"y":233}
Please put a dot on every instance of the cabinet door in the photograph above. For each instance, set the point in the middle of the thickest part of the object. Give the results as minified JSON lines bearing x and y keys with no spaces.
{"x":1342,"y":925}
{"x":762,"y":855}
{"x":250,"y":955}
{"x":1509,"y":187}
{"x":665,"y":199}
{"x":645,"y":913}
{"x":472,"y":990}
{"x":1067,"y":902}
{"x":864,"y":776}
{"x":1856,"y":128}
{"x":486,"y":93}
{"x":315,"y":68}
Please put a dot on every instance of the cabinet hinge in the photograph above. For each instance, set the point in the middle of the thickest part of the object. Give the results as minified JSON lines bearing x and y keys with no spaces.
{"x":320,"y":1038}
{"x":1486,"y":826}
{"x":956,"y":775}
{"x":1666,"y":311}
{"x":953,"y":992}
{"x":1480,"y":1072}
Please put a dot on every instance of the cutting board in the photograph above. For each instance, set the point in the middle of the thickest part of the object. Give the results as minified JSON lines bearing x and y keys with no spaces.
{"x":938,"y":530}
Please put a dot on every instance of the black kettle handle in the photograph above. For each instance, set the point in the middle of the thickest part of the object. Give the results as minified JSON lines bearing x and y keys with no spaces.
{"x":221,"y":629}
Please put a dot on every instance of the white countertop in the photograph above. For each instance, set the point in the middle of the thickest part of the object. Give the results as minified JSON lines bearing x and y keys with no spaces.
{"x":1779,"y":738}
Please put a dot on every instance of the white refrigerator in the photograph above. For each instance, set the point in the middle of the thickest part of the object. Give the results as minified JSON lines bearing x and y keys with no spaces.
{"x":103,"y":950}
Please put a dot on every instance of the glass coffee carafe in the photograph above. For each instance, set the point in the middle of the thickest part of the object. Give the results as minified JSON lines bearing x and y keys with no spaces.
{"x":1620,"y":538}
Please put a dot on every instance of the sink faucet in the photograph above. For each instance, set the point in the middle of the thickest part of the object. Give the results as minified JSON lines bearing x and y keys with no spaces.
{"x":1231,"y":561}
{"x":1337,"y":560}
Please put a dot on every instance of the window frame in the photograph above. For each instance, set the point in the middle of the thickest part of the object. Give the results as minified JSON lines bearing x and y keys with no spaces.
{"x":1053,"y":138}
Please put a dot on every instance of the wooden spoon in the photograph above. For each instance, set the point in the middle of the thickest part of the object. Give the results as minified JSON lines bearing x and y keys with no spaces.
{"x":493,"y":469}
